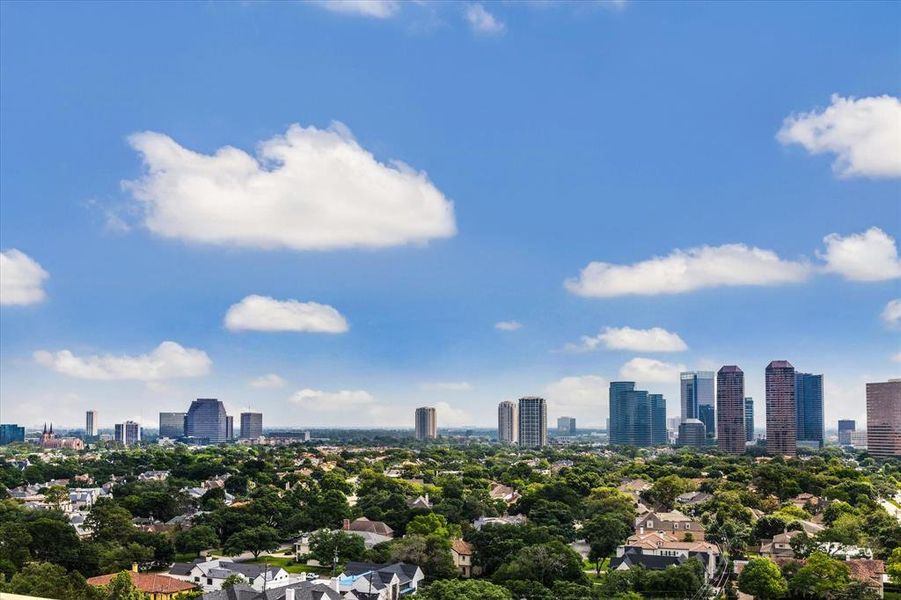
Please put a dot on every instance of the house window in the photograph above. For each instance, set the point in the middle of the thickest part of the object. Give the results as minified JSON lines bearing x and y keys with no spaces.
{"x":209,"y":581}
{"x":650,"y":523}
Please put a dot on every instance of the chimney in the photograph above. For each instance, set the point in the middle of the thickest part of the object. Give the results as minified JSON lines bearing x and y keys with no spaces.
{"x":134,"y":567}
{"x":289,"y":594}
{"x":641,"y":530}
{"x":346,"y":524}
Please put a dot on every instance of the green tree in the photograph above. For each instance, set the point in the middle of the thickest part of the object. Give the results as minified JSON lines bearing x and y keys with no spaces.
{"x":846,"y":529}
{"x":56,"y":496}
{"x":121,"y":587}
{"x":46,"y":580}
{"x":432,"y":553}
{"x":665,"y":490}
{"x":114,"y":557}
{"x":603,"y":534}
{"x":196,"y":539}
{"x":893,"y":566}
{"x":495,"y":543}
{"x":325,"y":545}
{"x":762,"y":579}
{"x":463,"y":589}
{"x":544,"y":563}
{"x":820,"y":577}
{"x":255,"y":540}
{"x":14,"y":543}
{"x":433,"y":524}
{"x":109,"y":522}
{"x":232,"y":580}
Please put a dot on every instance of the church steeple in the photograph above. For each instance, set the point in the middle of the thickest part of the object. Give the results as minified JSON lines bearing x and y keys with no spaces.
{"x":45,"y":427}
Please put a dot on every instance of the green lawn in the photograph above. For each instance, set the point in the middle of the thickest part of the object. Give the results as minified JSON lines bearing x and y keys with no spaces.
{"x":288,"y":564}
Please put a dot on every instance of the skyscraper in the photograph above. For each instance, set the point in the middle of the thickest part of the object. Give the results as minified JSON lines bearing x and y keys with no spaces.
{"x":809,"y":408}
{"x":90,"y":424}
{"x":698,"y":398}
{"x":532,"y":422}
{"x":632,"y":418}
{"x":426,"y":423}
{"x":845,"y":427}
{"x":251,"y":425}
{"x":206,"y":421}
{"x":780,"y":408}
{"x":566,"y":425}
{"x":749,"y":419}
{"x":692,"y":433}
{"x":730,"y":408}
{"x":127,"y":433}
{"x":884,"y":418}
{"x":507,"y":422}
{"x":172,"y":425}
{"x":11,"y":433}
{"x":659,"y":436}
{"x":229,"y":427}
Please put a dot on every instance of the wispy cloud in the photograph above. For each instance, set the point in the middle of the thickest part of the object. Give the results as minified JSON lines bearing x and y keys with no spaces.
{"x":262,"y":313}
{"x":169,"y":360}
{"x":483,"y":22}
{"x":445,"y":386}
{"x":508,"y":325}
{"x":655,"y":339}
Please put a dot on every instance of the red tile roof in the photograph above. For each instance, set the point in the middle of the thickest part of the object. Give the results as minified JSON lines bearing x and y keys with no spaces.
{"x":148,"y":583}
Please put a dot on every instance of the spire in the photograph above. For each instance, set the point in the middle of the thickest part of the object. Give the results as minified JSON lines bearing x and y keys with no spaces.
{"x":45,"y":426}
{"x":51,"y":427}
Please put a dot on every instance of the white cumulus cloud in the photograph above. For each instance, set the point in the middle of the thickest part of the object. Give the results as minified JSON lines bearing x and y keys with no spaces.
{"x":686,"y":270}
{"x":868,"y":256}
{"x":169,"y":360}
{"x":508,"y":325}
{"x":585,"y":397}
{"x":864,"y":134}
{"x":891,"y":314}
{"x":482,"y":21}
{"x":269,"y":380}
{"x":376,"y":9}
{"x":655,"y":339}
{"x":21,"y":278}
{"x":262,"y":313}
{"x":649,"y":370}
{"x":445,"y":386}
{"x":309,"y":189}
{"x":342,"y":400}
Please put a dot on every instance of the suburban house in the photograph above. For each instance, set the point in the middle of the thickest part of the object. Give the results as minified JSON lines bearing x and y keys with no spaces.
{"x":421,"y":502}
{"x":503,"y":492}
{"x":372,"y":532}
{"x":693,"y":498}
{"x":209,"y":574}
{"x":379,"y":582}
{"x":657,"y":543}
{"x":155,"y":585}
{"x":674,"y":522}
{"x":808,"y":502}
{"x":461,"y":552}
{"x":305,"y":590}
{"x":779,"y":546}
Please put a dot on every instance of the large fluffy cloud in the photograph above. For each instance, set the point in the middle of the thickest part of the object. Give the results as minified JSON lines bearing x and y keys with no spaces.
{"x":585,"y":397}
{"x":262,"y":313}
{"x":309,"y":189}
{"x":377,"y":9}
{"x":655,"y":339}
{"x":687,"y":270}
{"x":649,"y":370}
{"x":21,"y":278}
{"x":863,"y":134}
{"x":340,"y":401}
{"x":169,"y":360}
{"x":868,"y":256}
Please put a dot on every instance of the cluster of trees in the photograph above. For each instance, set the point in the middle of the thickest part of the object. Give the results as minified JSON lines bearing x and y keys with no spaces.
{"x":820,"y":576}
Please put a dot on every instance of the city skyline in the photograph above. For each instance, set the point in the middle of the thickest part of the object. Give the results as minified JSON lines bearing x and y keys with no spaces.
{"x":477,"y":241}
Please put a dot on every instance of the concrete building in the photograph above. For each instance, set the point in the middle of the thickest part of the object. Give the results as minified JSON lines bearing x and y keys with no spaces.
{"x":884,"y":418}
{"x":749,"y":419}
{"x":251,"y":425}
{"x":128,"y":433}
{"x":730,"y":408}
{"x":90,"y":424}
{"x":809,"y":409}
{"x":426,"y":423}
{"x":659,"y":436}
{"x":11,"y":433}
{"x":172,"y":425}
{"x":229,"y":427}
{"x":566,"y":425}
{"x":698,"y":398}
{"x":692,"y":433}
{"x":532,"y":422}
{"x":636,"y":417}
{"x":507,"y":422}
{"x":206,"y":421}
{"x":845,"y":427}
{"x":780,"y":409}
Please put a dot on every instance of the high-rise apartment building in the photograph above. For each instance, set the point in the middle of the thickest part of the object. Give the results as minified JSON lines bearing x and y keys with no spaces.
{"x":127,"y":433}
{"x":749,"y":419}
{"x":730,"y":408}
{"x":229,"y":427}
{"x":507,"y":422}
{"x":659,"y":436}
{"x":845,"y":427}
{"x":620,"y":423}
{"x":532,"y":422}
{"x":698,"y":398}
{"x":884,"y":418}
{"x":780,"y":409}
{"x":426,"y":423}
{"x":692,"y":433}
{"x":809,"y":408}
{"x":633,"y":418}
{"x":566,"y":425}
{"x":251,"y":425}
{"x":172,"y":425}
{"x":90,"y":424}
{"x":11,"y":433}
{"x":206,"y":421}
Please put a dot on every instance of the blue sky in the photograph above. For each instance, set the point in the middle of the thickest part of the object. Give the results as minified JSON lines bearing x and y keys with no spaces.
{"x":535,"y":139}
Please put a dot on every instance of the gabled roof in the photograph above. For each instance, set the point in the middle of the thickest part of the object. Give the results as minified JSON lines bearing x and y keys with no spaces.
{"x":364,"y":524}
{"x":461,"y":547}
{"x":149,"y":583}
{"x":648,"y":561}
